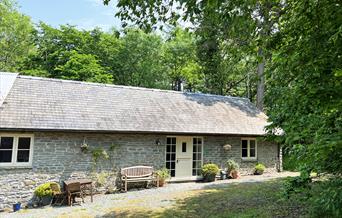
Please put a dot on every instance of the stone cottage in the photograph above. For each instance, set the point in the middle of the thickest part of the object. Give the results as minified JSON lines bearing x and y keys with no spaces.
{"x":52,"y":130}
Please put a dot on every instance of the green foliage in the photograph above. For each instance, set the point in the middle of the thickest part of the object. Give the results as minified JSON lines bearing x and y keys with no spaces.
{"x":82,"y":67}
{"x":163,"y":173}
{"x":45,"y":190}
{"x":99,"y":153}
{"x":326,"y":198}
{"x":290,"y":162}
{"x":259,"y":169}
{"x":15,"y":36}
{"x":179,"y":55}
{"x":210,"y":169}
{"x":304,"y":94}
{"x":100,"y":178}
{"x":140,"y":60}
{"x":232,"y":165}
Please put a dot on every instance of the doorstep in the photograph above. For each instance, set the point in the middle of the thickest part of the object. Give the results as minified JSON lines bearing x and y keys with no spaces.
{"x":185,"y":179}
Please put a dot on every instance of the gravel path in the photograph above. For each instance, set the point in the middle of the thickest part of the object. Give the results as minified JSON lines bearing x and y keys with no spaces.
{"x":154,"y":199}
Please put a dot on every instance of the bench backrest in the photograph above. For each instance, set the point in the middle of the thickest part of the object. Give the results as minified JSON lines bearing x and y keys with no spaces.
{"x":137,"y":171}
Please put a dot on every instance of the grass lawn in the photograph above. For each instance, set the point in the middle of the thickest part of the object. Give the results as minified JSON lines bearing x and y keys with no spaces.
{"x":233,"y":200}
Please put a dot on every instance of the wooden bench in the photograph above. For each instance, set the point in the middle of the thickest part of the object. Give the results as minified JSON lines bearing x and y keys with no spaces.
{"x":138,"y":174}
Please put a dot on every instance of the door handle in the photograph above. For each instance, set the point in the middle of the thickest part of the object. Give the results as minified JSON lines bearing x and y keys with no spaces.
{"x":177,"y":160}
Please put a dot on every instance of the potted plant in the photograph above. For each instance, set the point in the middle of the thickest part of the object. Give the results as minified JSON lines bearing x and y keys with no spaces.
{"x":44,"y":193}
{"x":259,"y":169}
{"x":209,"y":172}
{"x":163,"y":174}
{"x":232,"y":169}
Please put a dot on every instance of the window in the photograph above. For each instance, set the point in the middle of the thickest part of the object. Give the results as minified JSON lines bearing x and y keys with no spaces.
{"x":197,"y":156}
{"x":16,"y":150}
{"x":184,"y":147}
{"x":171,"y":155}
{"x":248,"y":149}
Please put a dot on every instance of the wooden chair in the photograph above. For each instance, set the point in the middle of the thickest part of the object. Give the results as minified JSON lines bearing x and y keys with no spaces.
{"x":58,"y":197}
{"x":73,"y":191}
{"x":138,"y":174}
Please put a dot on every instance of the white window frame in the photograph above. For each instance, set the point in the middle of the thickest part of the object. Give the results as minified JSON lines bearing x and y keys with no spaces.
{"x":249,"y":149}
{"x":14,"y":162}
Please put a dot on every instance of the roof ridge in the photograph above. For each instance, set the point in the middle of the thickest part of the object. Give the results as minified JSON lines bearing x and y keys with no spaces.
{"x":125,"y":87}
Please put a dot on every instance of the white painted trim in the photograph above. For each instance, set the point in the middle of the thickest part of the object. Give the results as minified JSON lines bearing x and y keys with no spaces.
{"x":192,"y":138}
{"x":248,"y":149}
{"x":13,"y":163}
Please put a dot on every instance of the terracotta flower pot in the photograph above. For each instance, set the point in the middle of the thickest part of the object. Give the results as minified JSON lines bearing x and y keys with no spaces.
{"x":234,"y":174}
{"x":161,"y":182}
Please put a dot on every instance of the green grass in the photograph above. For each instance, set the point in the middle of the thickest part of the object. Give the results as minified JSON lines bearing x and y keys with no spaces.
{"x":233,"y":200}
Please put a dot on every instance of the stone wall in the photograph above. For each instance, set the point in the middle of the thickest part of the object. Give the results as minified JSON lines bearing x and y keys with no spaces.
{"x":267,"y":154}
{"x":57,"y":157}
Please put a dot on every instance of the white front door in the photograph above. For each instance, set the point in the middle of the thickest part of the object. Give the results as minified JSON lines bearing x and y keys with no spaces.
{"x":184,"y":156}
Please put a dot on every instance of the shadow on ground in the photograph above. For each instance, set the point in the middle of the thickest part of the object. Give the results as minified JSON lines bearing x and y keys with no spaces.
{"x":232,"y":200}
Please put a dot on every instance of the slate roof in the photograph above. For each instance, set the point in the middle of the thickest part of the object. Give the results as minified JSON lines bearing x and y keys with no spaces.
{"x":35,"y":103}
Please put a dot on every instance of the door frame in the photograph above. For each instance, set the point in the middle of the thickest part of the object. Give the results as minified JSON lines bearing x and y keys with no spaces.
{"x":192,"y":137}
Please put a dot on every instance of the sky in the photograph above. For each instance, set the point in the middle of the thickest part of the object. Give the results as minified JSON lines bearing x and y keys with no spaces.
{"x":85,"y":14}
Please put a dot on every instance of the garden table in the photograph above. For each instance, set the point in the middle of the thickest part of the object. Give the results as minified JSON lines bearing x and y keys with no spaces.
{"x":85,"y":184}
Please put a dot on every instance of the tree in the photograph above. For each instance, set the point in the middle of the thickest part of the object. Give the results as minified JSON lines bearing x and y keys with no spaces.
{"x":82,"y":67}
{"x":181,"y":61}
{"x":304,"y":96}
{"x":250,"y":22}
{"x":15,"y":36}
{"x":140,"y":60}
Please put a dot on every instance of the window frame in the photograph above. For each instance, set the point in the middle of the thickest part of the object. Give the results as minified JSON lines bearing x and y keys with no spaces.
{"x":249,"y":149}
{"x":14,"y":162}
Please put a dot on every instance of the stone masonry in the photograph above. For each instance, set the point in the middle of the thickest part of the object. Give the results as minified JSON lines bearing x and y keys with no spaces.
{"x":57,"y":157}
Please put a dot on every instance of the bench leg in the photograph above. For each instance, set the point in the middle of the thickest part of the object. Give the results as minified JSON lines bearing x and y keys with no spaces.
{"x":125,"y":185}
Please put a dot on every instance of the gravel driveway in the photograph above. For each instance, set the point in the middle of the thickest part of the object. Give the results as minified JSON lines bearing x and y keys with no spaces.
{"x":154,"y":199}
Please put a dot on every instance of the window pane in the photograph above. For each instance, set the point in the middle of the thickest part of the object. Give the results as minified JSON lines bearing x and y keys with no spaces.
{"x":194,"y":156}
{"x":5,"y":156}
{"x":184,"y":147}
{"x":199,"y":148}
{"x":194,"y":141}
{"x":23,"y":156}
{"x":173,"y":157}
{"x":173,"y":141}
{"x":199,"y":141}
{"x":173,"y":165}
{"x":199,"y":156}
{"x":194,"y":148}
{"x":244,"y":152}
{"x":252,"y":143}
{"x":168,"y":141}
{"x":244,"y":144}
{"x":168,"y":157}
{"x":194,"y":172}
{"x":6,"y":143}
{"x":172,"y":173}
{"x":193,"y":164}
{"x":173,"y":147}
{"x":168,"y":165}
{"x":252,"y":153}
{"x":198,"y":165}
{"x":168,"y":148}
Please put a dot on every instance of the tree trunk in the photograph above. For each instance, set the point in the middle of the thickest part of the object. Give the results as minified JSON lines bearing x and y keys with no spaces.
{"x":261,"y":81}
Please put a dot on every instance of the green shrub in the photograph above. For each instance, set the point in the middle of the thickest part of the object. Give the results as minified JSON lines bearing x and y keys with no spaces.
{"x":326,"y":200}
{"x":45,"y":190}
{"x":163,"y":173}
{"x":232,"y":165}
{"x":210,"y":170}
{"x":259,"y":169}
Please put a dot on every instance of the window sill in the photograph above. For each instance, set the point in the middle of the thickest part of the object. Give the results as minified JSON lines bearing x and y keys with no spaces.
{"x":10,"y":167}
{"x":249,"y":159}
